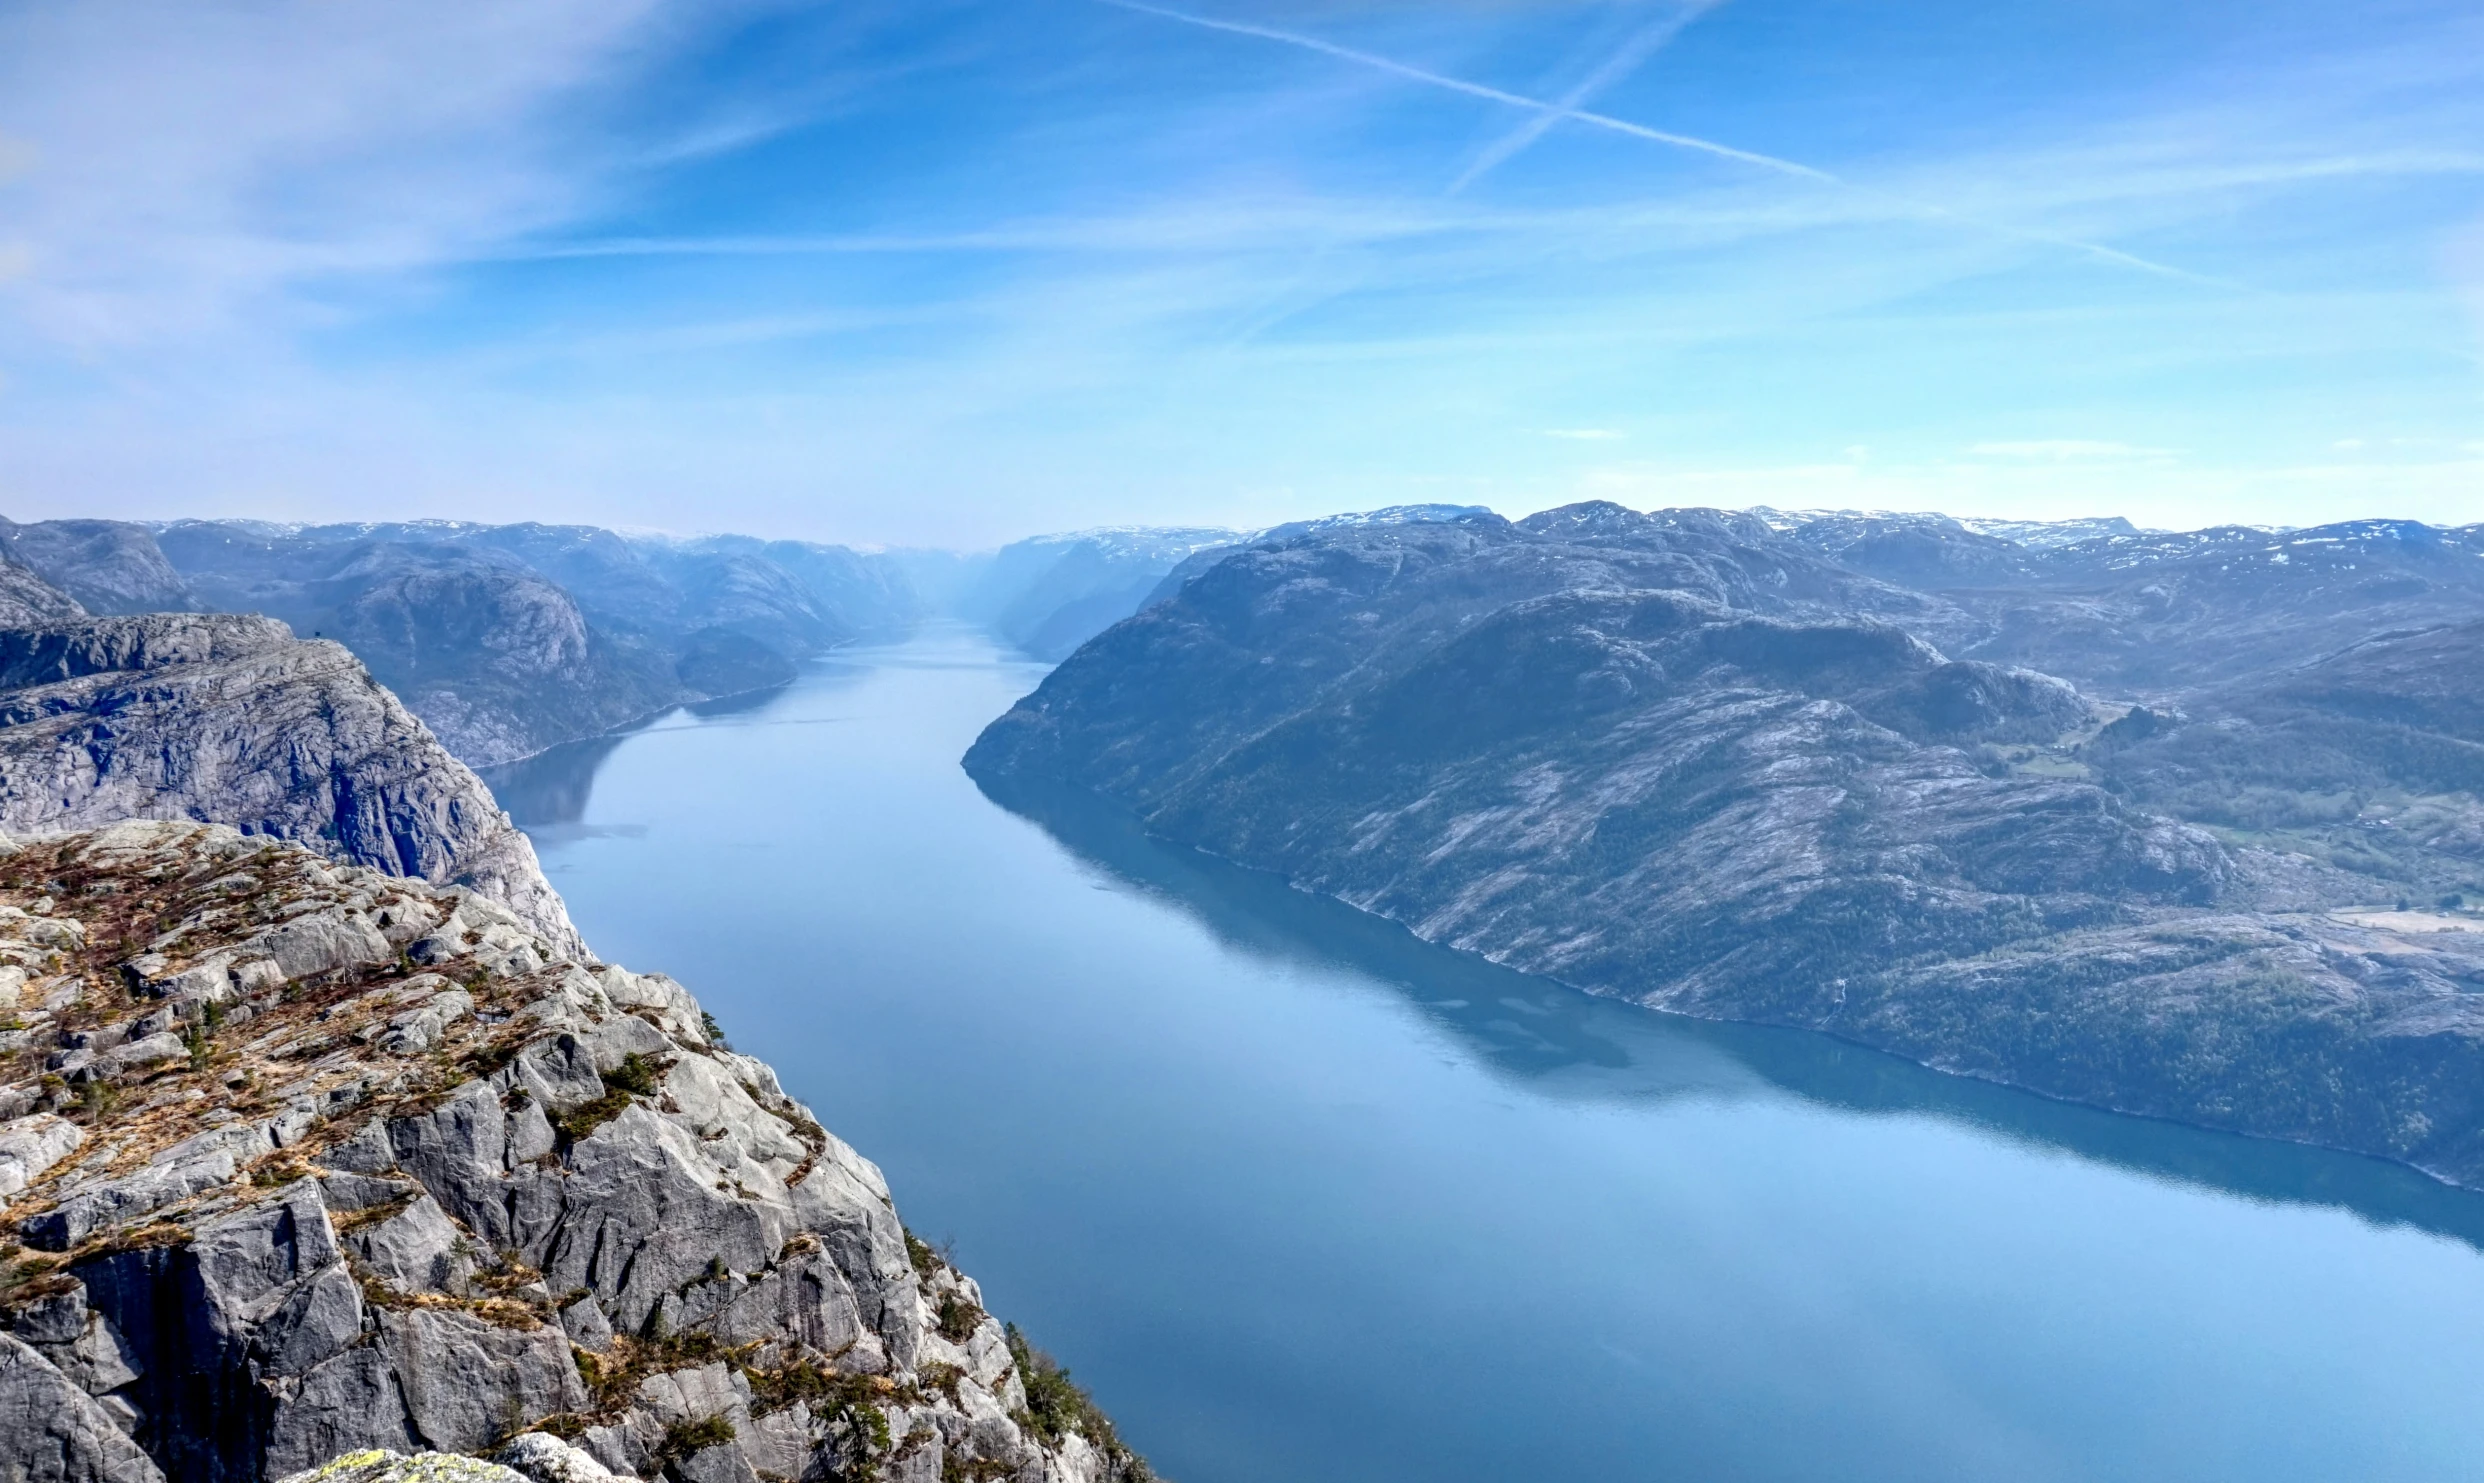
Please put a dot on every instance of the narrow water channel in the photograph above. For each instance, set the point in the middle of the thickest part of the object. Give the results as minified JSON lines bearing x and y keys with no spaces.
{"x":1301,"y":1199}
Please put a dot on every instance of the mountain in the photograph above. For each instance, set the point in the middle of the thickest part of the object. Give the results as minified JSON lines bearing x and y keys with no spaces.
{"x":1802,"y":770}
{"x":2136,"y":612}
{"x":505,"y":639}
{"x":231,"y":719}
{"x":108,"y":566}
{"x":26,"y":598}
{"x":310,"y":1160}
{"x":1049,"y":594}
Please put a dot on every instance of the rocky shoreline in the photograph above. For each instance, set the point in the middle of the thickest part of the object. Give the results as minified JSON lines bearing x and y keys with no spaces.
{"x":304,"y":1160}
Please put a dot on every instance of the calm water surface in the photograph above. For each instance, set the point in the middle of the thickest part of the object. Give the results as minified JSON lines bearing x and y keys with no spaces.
{"x":1302,"y":1199}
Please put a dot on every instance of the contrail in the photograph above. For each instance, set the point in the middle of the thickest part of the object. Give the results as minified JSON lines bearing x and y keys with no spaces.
{"x":1550,"y":113}
{"x":1649,"y":41}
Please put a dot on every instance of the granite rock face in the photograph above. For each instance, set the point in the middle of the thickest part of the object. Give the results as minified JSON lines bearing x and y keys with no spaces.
{"x":427,"y":1181}
{"x":27,"y":598}
{"x":232,"y":719}
{"x":107,"y":566}
{"x":509,"y":639}
{"x":1734,"y":767}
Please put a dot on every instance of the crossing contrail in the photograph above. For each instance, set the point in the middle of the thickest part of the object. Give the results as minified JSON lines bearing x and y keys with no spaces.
{"x":1550,"y":113}
{"x":1650,"y":40}
{"x":1554,"y":111}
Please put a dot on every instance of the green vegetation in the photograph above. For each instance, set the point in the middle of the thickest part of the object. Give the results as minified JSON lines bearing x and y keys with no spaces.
{"x":612,"y":1377}
{"x":958,"y":1318}
{"x":687,"y":1437}
{"x":1056,"y":1406}
{"x":635,"y":1077}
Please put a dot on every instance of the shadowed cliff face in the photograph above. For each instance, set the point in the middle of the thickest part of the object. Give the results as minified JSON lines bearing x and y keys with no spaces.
{"x":234,"y":720}
{"x":339,"y":1161}
{"x":1692,"y":760}
{"x":498,"y":662}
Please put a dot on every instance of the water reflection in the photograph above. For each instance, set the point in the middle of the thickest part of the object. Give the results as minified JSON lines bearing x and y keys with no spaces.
{"x":1556,"y":1041}
{"x":1568,"y":1044}
{"x":552,"y":787}
{"x":548,"y":793}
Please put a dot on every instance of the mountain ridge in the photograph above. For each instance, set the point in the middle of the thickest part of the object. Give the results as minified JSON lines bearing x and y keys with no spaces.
{"x":1694,"y":759}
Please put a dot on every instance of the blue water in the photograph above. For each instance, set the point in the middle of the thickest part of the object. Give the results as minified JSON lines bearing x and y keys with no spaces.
{"x":1302,"y":1199}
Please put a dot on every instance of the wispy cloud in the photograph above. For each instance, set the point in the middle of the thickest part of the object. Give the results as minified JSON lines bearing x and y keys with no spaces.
{"x":1553,"y":112}
{"x":185,"y":167}
{"x":284,"y":256}
{"x":1429,"y":78}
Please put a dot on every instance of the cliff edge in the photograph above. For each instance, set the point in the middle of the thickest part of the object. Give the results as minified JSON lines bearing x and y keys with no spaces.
{"x":232,"y":720}
{"x":312,"y":1164}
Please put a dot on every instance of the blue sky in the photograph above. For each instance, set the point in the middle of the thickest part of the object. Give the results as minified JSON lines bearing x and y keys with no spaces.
{"x":954,"y":272}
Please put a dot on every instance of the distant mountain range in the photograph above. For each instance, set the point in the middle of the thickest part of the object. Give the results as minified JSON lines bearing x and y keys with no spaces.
{"x":2189,"y":824}
{"x":505,"y":639}
{"x":1049,"y":594}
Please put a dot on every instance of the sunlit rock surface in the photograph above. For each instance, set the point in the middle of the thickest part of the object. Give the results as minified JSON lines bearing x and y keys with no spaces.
{"x":423,"y":1179}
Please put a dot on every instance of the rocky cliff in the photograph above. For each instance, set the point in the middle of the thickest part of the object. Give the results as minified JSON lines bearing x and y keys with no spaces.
{"x":1691,"y":760}
{"x":108,"y":566}
{"x":306,"y":1160}
{"x":234,"y":720}
{"x":505,"y":639}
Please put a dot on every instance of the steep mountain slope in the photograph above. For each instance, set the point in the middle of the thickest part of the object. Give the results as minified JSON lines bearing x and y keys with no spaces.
{"x":27,"y":598}
{"x":314,"y":1160}
{"x":1702,"y":761}
{"x":234,"y":720}
{"x":109,"y":566}
{"x":508,"y":639}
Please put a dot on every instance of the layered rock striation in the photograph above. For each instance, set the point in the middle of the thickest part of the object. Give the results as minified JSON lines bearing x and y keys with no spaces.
{"x":1687,"y":759}
{"x":316,"y":1166}
{"x":234,"y":720}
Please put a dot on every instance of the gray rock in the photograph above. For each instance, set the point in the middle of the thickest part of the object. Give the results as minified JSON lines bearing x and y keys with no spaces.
{"x":323,"y":942}
{"x":234,"y":720}
{"x":586,"y":1325}
{"x":452,"y":1198}
{"x":81,"y":1343}
{"x":53,"y":1432}
{"x":377,"y":1465}
{"x":417,"y":1250}
{"x":31,"y":1145}
{"x":351,"y":1402}
{"x":161,"y":1046}
{"x":545,"y":1458}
